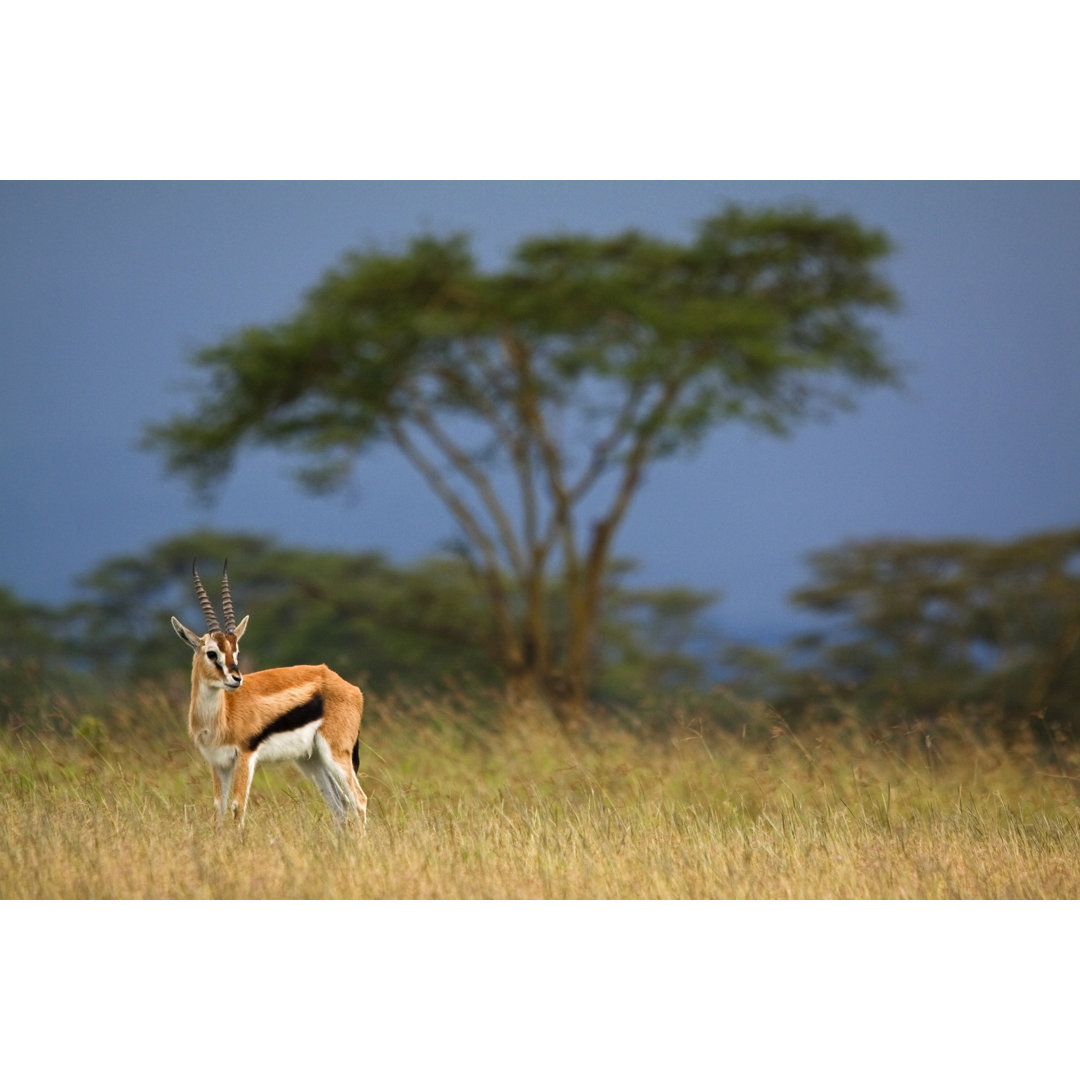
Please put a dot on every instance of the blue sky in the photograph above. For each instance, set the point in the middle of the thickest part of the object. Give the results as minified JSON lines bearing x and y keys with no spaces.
{"x":106,"y":288}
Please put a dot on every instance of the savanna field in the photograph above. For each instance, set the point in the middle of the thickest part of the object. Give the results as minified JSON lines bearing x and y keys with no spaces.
{"x":471,"y":801}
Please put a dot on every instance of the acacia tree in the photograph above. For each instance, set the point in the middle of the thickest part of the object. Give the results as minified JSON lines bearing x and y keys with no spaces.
{"x":567,"y":373}
{"x":928,"y":624}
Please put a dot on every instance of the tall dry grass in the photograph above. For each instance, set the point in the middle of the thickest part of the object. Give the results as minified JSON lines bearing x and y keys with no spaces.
{"x":469,"y":803}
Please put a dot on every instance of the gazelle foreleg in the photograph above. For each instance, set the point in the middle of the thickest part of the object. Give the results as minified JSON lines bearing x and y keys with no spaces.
{"x":223,"y":774}
{"x":238,"y":786}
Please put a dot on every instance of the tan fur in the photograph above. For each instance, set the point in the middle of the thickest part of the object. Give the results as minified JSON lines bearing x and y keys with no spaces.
{"x":223,"y":721}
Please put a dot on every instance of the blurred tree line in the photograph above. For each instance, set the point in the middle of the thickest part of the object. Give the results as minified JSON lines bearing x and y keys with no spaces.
{"x":912,"y":629}
{"x":424,"y":626}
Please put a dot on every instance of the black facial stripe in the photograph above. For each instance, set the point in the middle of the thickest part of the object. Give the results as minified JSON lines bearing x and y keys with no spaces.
{"x":219,"y":662}
{"x":295,"y":718}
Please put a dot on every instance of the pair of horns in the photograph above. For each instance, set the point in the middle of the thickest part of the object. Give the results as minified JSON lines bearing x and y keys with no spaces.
{"x":226,"y":601}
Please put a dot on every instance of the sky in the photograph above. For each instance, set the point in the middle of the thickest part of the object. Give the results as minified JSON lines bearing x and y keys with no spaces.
{"x":107,"y":288}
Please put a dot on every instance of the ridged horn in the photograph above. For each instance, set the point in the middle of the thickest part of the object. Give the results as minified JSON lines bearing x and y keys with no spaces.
{"x":226,"y":600}
{"x":212,"y":624}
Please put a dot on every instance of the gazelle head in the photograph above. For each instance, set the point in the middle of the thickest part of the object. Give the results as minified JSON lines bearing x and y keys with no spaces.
{"x":217,"y":651}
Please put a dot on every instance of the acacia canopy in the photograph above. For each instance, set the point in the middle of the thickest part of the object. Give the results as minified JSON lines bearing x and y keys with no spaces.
{"x":920,"y":628}
{"x":566,"y":372}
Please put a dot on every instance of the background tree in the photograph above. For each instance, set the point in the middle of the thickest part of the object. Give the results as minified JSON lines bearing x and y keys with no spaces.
{"x":919,"y":627}
{"x":533,"y":398}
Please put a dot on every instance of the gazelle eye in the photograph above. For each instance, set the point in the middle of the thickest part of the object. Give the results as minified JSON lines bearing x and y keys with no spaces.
{"x":211,"y":655}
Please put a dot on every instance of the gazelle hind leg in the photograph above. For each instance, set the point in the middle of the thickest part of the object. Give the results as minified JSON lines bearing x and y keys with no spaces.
{"x":350,"y":789}
{"x":350,"y":766}
{"x":341,"y":765}
{"x":327,"y":774}
{"x":359,"y":799}
{"x":329,"y":786}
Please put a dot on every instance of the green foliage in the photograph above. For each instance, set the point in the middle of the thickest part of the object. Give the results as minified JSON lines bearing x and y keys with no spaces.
{"x":562,"y":376}
{"x":923,"y":626}
{"x":742,"y":319}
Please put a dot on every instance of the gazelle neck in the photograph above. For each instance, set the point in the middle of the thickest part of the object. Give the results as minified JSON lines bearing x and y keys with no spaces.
{"x":206,"y":716}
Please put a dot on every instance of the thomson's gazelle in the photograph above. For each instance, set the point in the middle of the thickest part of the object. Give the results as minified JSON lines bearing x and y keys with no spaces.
{"x":308,"y":715}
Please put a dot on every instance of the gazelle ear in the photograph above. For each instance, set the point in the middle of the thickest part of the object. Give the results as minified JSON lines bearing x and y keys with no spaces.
{"x":184,"y":634}
{"x":242,"y":627}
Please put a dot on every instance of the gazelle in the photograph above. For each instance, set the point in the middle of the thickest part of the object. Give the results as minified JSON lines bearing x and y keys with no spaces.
{"x":308,"y":715}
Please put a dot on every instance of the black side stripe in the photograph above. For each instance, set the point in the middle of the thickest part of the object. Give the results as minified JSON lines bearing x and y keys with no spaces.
{"x":295,"y":718}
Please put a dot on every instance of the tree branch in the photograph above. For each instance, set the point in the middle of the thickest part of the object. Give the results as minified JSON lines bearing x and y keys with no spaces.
{"x":475,"y":532}
{"x":468,"y":469}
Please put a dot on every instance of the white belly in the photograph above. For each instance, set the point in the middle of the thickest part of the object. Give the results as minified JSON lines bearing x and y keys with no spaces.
{"x":289,"y":745}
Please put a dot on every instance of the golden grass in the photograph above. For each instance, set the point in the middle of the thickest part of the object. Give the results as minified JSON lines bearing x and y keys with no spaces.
{"x":465,"y":806}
